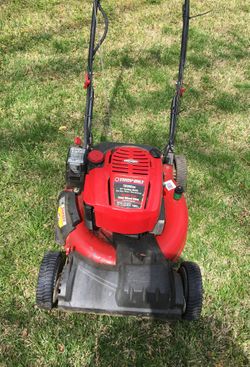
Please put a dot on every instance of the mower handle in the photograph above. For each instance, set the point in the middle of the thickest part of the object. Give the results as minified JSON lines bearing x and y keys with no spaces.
{"x":93,"y":48}
{"x":175,"y":105}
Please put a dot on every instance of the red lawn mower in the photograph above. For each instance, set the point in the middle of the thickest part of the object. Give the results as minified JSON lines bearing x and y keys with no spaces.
{"x":122,"y":220}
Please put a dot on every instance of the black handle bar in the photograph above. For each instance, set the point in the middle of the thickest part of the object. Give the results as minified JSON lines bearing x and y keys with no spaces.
{"x":175,"y":105}
{"x":93,"y":48}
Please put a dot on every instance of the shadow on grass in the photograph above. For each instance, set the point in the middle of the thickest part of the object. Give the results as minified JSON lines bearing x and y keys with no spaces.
{"x":204,"y":343}
{"x":119,"y":342}
{"x":221,"y":164}
{"x":108,"y":113}
{"x":29,"y":136}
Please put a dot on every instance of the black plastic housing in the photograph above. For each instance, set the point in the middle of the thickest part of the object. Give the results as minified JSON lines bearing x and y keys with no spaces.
{"x":67,"y":202}
{"x":142,"y":283}
{"x":75,"y":167}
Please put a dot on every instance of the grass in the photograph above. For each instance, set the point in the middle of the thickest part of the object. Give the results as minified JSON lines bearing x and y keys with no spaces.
{"x":42,"y":63}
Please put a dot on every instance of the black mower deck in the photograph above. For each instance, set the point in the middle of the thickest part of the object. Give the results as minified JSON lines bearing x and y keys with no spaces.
{"x":143,"y":283}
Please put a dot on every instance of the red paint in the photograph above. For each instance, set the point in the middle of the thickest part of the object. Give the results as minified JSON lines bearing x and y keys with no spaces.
{"x":96,"y":156}
{"x":96,"y":248}
{"x":182,"y":91}
{"x":87,"y":81}
{"x":173,"y":238}
{"x":77,"y":140}
{"x":84,"y":241}
{"x":100,"y":185}
{"x":88,"y":245}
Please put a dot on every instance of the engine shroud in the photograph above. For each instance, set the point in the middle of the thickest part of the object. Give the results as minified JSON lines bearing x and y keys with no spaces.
{"x":126,"y":190}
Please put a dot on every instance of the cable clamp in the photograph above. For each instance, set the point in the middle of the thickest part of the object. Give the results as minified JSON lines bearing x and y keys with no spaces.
{"x":87,"y":81}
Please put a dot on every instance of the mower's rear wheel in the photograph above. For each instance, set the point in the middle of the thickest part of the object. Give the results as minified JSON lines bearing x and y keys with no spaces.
{"x":180,"y":166}
{"x":192,"y":283}
{"x":50,"y":270}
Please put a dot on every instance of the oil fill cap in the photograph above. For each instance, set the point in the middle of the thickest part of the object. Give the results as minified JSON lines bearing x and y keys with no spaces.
{"x":96,"y":156}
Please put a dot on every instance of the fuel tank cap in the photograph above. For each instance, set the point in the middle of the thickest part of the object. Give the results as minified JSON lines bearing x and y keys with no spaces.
{"x":96,"y":156}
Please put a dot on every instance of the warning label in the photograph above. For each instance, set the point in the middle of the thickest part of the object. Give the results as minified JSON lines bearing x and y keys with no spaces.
{"x":61,"y":215}
{"x":129,"y":192}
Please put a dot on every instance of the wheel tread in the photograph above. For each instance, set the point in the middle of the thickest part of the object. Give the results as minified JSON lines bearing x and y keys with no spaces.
{"x":195,"y":290}
{"x":181,"y":171}
{"x":51,"y":264}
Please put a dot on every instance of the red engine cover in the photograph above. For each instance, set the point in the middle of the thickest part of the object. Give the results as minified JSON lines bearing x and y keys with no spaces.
{"x":126,"y":192}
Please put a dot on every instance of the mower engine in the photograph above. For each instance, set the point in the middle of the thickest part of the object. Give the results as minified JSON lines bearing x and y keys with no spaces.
{"x":123,"y":191}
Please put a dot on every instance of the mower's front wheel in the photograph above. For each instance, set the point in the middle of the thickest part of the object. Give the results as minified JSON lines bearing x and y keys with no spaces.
{"x":180,"y":167}
{"x":193,"y":291}
{"x":49,"y":273}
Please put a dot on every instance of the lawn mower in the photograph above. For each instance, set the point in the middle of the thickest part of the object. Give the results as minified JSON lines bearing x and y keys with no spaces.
{"x":122,"y":221}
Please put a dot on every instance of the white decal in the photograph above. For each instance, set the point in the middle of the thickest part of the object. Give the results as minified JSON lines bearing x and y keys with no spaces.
{"x":169,"y":185}
{"x":130,"y":161}
{"x":129,"y":180}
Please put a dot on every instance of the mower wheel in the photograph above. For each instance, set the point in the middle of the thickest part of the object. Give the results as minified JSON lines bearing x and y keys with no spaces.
{"x":180,"y":165}
{"x":49,"y":273}
{"x":192,"y":282}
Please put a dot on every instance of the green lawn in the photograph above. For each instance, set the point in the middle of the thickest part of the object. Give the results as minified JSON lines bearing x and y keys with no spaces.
{"x":43,"y":51}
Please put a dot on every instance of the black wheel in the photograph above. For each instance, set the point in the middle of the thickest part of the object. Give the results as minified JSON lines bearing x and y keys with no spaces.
{"x":49,"y":273}
{"x":192,"y":282}
{"x":180,"y":165}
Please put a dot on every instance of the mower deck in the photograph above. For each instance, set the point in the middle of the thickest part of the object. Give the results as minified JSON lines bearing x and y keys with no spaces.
{"x":143,"y":283}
